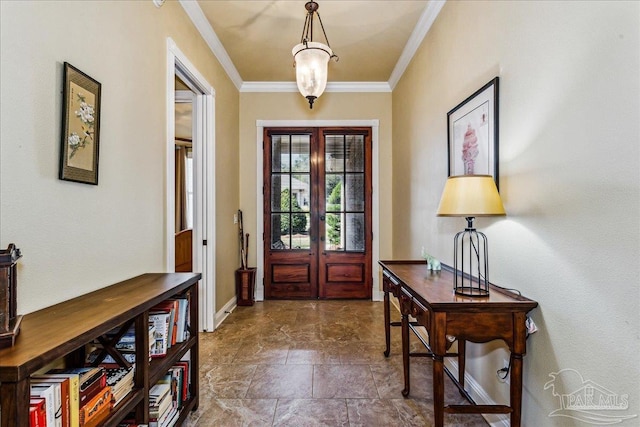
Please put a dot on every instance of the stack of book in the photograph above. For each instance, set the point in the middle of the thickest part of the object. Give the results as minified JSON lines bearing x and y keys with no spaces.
{"x":120,"y":380}
{"x":167,"y":397}
{"x":180,"y":382}
{"x":171,"y":321}
{"x":80,"y":395}
{"x":162,"y":412}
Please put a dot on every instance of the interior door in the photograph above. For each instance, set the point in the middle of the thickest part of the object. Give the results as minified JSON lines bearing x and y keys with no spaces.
{"x":317,"y":213}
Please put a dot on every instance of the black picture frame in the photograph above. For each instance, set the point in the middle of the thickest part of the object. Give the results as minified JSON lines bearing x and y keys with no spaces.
{"x":80,"y":139}
{"x":473,"y":133}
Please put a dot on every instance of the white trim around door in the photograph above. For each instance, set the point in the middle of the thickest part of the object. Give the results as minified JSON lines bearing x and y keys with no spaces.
{"x":375,"y":212}
{"x":204,"y":178}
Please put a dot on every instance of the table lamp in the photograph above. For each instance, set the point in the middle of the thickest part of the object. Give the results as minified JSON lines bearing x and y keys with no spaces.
{"x":471,"y":196}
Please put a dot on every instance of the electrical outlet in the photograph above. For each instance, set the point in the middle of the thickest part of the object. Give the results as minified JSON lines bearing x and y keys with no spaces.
{"x":235,"y":218}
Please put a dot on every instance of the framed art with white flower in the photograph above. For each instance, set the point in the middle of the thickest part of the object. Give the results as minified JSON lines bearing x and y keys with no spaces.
{"x":472,"y":133}
{"x":80,"y":127}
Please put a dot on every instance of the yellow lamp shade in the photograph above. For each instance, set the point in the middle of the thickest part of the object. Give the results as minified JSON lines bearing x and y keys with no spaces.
{"x":470,"y":196}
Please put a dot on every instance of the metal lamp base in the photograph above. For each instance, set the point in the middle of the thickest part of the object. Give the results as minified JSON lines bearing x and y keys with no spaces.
{"x":469,"y":291}
{"x":470,"y":256}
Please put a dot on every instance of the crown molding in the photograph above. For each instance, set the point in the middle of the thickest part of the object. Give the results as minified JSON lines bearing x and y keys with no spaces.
{"x":417,"y":36}
{"x":331,"y":87}
{"x":193,"y":10}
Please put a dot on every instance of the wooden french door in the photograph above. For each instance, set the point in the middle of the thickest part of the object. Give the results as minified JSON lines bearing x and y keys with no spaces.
{"x":317,"y":213}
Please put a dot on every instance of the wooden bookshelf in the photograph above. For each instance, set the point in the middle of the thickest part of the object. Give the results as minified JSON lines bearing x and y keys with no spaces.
{"x":61,"y":331}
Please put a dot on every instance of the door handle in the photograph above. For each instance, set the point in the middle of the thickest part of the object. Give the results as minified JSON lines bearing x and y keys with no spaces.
{"x":321,"y":217}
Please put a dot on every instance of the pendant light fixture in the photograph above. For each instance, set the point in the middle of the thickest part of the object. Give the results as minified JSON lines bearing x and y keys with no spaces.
{"x":311,"y":58}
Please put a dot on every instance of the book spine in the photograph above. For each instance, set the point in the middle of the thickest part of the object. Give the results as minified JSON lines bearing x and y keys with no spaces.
{"x":92,"y":390}
{"x":48,"y":394}
{"x":93,"y":408}
{"x":65,"y":399}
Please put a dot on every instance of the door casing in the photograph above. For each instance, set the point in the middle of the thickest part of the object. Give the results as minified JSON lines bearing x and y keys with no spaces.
{"x":204,"y":179}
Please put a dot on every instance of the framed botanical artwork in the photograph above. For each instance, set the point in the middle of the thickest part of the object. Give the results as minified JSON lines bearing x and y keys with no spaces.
{"x":80,"y":140}
{"x":472,"y":133}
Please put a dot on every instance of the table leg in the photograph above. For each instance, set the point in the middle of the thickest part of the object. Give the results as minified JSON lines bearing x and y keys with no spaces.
{"x":387,"y":324}
{"x":405,"y":353}
{"x":438,"y":390}
{"x":516,"y":389}
{"x":462,"y":346}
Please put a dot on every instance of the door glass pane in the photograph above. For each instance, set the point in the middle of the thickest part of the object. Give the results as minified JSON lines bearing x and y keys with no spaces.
{"x":355,"y":192}
{"x":301,"y":192}
{"x":300,"y":152}
{"x":355,"y":153}
{"x":279,"y":193}
{"x":334,"y":237}
{"x":300,"y":231}
{"x":334,"y":153}
{"x":355,"y":232}
{"x":280,"y":235}
{"x":280,"y":159}
{"x":334,"y":192}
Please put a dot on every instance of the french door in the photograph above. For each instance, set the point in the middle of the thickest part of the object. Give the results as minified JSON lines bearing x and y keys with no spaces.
{"x":317,"y":213}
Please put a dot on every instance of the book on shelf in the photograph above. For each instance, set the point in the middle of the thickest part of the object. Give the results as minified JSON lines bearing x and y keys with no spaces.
{"x":177,"y":379}
{"x":64,"y":395}
{"x":184,"y":364}
{"x":48,"y":393}
{"x":183,"y":334}
{"x":37,"y":412}
{"x":120,"y":380}
{"x":169,"y":419}
{"x":126,"y":346}
{"x":74,"y":394}
{"x":94,"y":409}
{"x":168,"y":306}
{"x":108,"y":361}
{"x":160,"y":401}
{"x":92,"y":380}
{"x":161,"y":321}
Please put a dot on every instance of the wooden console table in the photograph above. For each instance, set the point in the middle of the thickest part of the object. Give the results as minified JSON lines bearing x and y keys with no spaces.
{"x":63,"y":330}
{"x":429,"y":298}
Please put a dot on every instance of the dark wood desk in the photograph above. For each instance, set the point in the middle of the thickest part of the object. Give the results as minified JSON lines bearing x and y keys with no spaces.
{"x":430,"y":299}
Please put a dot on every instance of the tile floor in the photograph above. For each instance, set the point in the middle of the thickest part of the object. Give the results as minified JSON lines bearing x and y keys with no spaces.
{"x":312,"y":363}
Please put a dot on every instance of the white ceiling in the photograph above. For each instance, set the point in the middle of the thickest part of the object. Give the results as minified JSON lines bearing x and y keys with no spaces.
{"x":374,"y":39}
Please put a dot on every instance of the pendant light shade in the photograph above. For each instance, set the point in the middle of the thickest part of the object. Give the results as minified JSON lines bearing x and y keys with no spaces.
{"x":311,"y":59}
{"x":312,"y":63}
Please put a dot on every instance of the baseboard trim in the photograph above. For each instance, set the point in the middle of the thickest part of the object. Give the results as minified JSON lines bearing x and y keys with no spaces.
{"x":225,"y":311}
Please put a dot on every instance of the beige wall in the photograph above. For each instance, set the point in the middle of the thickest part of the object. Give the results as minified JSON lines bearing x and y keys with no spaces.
{"x":330,"y":106}
{"x":75,"y":237}
{"x":569,"y":178}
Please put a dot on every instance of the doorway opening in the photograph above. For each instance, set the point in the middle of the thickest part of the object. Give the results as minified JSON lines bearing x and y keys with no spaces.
{"x":200,"y":157}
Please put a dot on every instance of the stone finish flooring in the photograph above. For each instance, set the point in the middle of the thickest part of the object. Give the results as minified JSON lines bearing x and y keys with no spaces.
{"x":313,"y":363}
